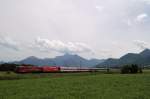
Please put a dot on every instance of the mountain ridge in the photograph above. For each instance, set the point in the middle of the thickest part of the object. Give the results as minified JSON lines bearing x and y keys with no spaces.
{"x":65,"y":60}
{"x":142,"y":58}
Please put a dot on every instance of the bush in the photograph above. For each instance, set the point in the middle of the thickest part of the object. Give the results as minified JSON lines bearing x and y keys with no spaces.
{"x":8,"y":67}
{"x":125,"y":69}
{"x":133,"y":68}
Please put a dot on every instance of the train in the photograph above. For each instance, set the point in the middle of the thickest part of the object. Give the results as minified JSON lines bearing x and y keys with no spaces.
{"x":53,"y":69}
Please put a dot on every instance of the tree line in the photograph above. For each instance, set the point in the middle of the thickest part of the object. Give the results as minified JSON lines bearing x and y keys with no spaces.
{"x":11,"y":66}
{"x":131,"y":69}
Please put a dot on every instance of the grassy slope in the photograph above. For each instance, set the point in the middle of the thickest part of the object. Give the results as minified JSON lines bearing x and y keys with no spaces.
{"x":99,"y":86}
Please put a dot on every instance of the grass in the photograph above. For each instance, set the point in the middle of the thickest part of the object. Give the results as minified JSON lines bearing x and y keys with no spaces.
{"x":77,"y":86}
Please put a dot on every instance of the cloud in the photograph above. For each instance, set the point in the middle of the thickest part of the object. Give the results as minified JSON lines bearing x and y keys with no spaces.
{"x":146,"y":1}
{"x":141,"y":44}
{"x":141,"y":17}
{"x":129,"y":23}
{"x":8,"y":43}
{"x":105,"y":53}
{"x":100,"y":8}
{"x":46,"y":45}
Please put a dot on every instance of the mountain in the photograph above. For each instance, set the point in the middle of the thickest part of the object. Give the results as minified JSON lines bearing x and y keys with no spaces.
{"x":91,"y":62}
{"x":142,"y":58}
{"x":70,"y":60}
{"x":145,"y":53}
{"x":36,"y":61}
{"x":1,"y":62}
{"x":65,"y":60}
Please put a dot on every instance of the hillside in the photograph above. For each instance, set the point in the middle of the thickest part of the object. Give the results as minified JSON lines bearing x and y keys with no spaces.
{"x":65,"y":60}
{"x":142,"y":58}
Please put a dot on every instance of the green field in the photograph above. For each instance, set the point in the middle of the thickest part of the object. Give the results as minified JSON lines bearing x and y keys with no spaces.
{"x":76,"y":86}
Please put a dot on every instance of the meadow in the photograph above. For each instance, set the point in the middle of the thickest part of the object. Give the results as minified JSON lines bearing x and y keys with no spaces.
{"x":75,"y":86}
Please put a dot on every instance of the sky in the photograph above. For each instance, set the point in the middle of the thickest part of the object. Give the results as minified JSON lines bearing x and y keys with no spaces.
{"x":90,"y":28}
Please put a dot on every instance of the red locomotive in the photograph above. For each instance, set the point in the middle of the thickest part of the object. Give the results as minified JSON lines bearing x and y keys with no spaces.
{"x":28,"y":69}
{"x":31,"y":69}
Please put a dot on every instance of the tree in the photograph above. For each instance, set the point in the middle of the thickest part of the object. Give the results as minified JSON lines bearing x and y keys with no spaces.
{"x":8,"y":67}
{"x":133,"y":68}
{"x":125,"y":69}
